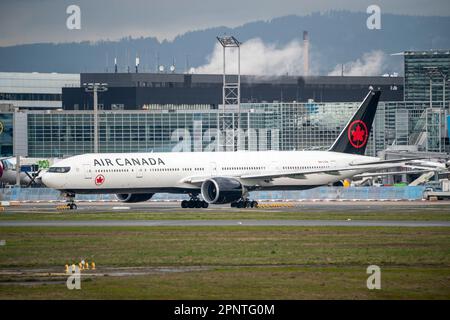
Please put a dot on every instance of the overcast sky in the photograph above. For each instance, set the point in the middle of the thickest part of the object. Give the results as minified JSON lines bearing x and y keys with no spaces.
{"x":30,"y":21}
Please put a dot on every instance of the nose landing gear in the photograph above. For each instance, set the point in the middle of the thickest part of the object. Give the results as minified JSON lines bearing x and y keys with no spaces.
{"x":70,"y":200}
{"x":72,"y":206}
{"x":194,"y":202}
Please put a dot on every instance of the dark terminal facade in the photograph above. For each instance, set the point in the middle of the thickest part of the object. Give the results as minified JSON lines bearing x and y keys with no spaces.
{"x":134,"y":91}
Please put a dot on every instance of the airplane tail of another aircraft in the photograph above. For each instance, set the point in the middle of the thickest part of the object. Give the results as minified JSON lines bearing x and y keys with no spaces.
{"x":353,"y":139}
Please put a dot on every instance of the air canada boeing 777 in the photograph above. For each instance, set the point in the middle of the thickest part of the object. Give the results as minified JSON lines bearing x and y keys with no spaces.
{"x":220,"y":177}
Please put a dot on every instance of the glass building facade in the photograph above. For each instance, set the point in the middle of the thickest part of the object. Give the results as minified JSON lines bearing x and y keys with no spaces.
{"x":6,"y":134}
{"x":427,"y":79}
{"x":263,"y":126}
{"x":426,"y":76}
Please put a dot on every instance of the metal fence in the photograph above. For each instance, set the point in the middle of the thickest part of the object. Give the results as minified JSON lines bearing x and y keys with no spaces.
{"x":321,"y":193}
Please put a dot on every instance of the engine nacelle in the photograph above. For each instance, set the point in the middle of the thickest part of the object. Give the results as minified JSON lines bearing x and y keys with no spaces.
{"x":134,"y":197}
{"x":221,"y":190}
{"x":1,"y":168}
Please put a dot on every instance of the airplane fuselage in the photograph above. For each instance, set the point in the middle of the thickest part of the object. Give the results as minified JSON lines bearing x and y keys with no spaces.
{"x":177,"y":171}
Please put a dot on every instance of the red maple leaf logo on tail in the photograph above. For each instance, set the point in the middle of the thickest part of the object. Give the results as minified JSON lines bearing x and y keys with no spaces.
{"x":357,"y":134}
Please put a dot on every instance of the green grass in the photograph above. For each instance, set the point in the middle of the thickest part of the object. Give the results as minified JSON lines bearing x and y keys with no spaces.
{"x":242,"y":262}
{"x":251,"y":283}
{"x":364,"y":213}
{"x":151,"y":246}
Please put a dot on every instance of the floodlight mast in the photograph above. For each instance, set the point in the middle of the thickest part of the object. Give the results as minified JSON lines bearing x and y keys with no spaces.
{"x":95,"y":88}
{"x":229,"y":115}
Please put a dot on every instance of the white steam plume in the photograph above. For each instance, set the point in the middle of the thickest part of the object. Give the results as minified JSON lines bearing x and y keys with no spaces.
{"x":258,"y":58}
{"x":370,"y":64}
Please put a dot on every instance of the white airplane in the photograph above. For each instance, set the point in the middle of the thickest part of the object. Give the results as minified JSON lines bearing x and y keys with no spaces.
{"x":220,"y":177}
{"x":8,"y":172}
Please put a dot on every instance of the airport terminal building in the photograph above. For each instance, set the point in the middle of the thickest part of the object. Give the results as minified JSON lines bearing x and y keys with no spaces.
{"x":35,"y":91}
{"x":181,"y":112}
{"x":138,"y":91}
{"x":263,"y":126}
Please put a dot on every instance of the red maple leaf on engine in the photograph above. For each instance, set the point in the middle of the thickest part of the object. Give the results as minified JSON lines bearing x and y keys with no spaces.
{"x":358,"y":134}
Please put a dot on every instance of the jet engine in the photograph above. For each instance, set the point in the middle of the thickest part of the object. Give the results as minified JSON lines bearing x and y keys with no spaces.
{"x":221,"y":190}
{"x":134,"y":197}
{"x":1,"y":168}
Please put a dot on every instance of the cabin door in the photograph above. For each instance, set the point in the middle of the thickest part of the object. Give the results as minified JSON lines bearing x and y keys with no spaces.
{"x":275,"y":166}
{"x":139,"y":172}
{"x":87,"y":171}
{"x":213,"y":169}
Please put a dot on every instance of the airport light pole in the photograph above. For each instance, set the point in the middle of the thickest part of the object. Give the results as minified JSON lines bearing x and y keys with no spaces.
{"x":228,"y":122}
{"x":95,"y":88}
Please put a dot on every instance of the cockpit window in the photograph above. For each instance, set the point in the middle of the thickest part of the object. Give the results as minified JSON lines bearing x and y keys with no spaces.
{"x":59,"y":169}
{"x":8,"y":165}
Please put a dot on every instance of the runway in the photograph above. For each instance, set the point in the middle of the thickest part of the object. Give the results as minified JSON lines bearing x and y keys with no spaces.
{"x":173,"y":206}
{"x":224,"y":223}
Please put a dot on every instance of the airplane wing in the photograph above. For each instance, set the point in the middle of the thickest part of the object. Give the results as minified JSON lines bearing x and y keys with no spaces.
{"x":366,"y":166}
{"x":376,"y":174}
{"x":429,"y":168}
{"x":300,"y":174}
{"x":195,"y":180}
{"x":385,"y":161}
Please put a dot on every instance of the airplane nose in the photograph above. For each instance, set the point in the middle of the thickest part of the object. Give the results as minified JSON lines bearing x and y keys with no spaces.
{"x":45,"y":179}
{"x":38,"y":180}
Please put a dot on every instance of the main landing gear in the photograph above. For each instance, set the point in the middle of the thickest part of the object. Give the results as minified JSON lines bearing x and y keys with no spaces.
{"x":244,"y":203}
{"x":194,"y":202}
{"x":70,"y":200}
